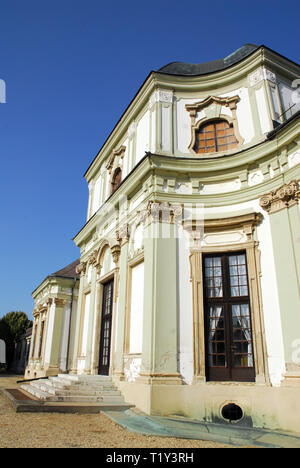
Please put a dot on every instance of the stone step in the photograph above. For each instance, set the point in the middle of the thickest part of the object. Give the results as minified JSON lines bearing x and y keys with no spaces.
{"x":55,"y":388}
{"x":60,"y":382}
{"x":35,"y":391}
{"x":74,"y":390}
{"x":64,"y":383}
{"x":45,"y":396}
{"x":117,"y":400}
{"x":85,"y":378}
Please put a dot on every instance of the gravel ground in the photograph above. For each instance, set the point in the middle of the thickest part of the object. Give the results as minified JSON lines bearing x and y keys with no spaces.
{"x":37,"y":430}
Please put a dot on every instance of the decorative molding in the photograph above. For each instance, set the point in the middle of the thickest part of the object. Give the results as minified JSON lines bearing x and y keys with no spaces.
{"x":244,"y":223}
{"x":160,"y":212}
{"x":254,"y":273}
{"x":81,"y":268}
{"x":215,"y":104}
{"x":284,"y":197}
{"x":104,"y":244}
{"x":116,"y":154}
{"x":123,"y":234}
{"x":230,"y":102}
{"x":261,"y":74}
{"x":93,"y":258}
{"x":131,"y":129}
{"x":161,"y":96}
{"x":60,"y":302}
{"x":115,"y":251}
{"x":149,"y":378}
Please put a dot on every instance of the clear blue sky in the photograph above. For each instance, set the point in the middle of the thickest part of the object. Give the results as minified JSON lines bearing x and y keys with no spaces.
{"x":71,"y":68}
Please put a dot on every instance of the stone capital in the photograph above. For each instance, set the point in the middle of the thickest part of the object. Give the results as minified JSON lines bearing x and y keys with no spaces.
{"x":284,"y":197}
{"x":123,"y":234}
{"x":92,"y":259}
{"x":81,"y":268}
{"x":60,"y":302}
{"x":160,"y":212}
{"x":115,"y":251}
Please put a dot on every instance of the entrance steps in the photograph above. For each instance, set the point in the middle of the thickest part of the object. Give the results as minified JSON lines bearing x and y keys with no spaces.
{"x":76,"y":388}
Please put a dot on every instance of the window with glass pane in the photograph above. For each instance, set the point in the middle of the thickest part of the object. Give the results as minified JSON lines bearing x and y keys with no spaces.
{"x":215,"y":136}
{"x":238,"y":275}
{"x":229,"y":348}
{"x":213,"y":277}
{"x":106,"y":321}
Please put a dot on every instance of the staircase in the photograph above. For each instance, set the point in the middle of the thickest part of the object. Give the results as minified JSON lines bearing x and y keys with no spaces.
{"x":92,"y":389}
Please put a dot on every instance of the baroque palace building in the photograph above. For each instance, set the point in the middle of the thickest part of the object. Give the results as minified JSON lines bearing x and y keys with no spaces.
{"x":187,"y":291}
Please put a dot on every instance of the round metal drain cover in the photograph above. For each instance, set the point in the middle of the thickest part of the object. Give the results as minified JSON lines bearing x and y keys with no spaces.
{"x":232,"y":412}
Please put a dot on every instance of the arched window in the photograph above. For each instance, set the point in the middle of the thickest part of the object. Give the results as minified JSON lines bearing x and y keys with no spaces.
{"x":215,"y":136}
{"x":116,"y":180}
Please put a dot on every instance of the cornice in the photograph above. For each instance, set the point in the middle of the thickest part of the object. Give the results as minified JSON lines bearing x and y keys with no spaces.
{"x":216,"y":170}
{"x":61,"y":281}
{"x":265,"y":149}
{"x":222,"y":78}
{"x":280,"y":64}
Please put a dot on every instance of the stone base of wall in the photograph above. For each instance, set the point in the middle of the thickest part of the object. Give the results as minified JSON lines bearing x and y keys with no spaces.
{"x":37,"y":372}
{"x":274,"y":408}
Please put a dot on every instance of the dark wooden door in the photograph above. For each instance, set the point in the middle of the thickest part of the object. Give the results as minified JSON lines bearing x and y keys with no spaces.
{"x":106,"y":323}
{"x":228,"y":330}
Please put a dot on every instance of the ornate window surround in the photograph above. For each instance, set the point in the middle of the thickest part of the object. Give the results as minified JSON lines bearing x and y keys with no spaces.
{"x":115,"y":162}
{"x":96,"y":259}
{"x":214,"y":104}
{"x":247,"y":223}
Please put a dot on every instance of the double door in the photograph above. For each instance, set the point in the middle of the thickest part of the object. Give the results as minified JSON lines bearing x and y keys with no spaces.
{"x":106,"y":326}
{"x":228,"y":330}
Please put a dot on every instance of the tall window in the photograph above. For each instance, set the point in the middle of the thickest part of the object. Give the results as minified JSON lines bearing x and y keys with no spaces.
{"x":106,"y":325}
{"x":215,"y":136}
{"x":116,"y":180}
{"x":229,"y":349}
{"x":41,"y":338}
{"x":34,"y":334}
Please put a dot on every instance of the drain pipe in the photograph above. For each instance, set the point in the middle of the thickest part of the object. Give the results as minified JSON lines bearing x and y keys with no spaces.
{"x":70,"y":322}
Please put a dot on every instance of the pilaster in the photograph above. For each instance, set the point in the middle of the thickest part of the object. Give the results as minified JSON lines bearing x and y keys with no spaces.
{"x":55,"y":331}
{"x":282,"y":206}
{"x":80,"y":269}
{"x":160,"y":327}
{"x":120,"y":320}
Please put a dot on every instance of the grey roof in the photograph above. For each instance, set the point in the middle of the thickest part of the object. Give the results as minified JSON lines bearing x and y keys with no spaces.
{"x":188,"y":69}
{"x":69,"y":271}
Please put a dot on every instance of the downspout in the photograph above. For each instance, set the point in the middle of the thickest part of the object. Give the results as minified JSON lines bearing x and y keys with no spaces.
{"x":70,"y":322}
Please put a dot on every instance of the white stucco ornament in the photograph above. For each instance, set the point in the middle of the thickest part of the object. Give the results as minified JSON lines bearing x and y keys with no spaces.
{"x":261,"y":74}
{"x":161,"y":96}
